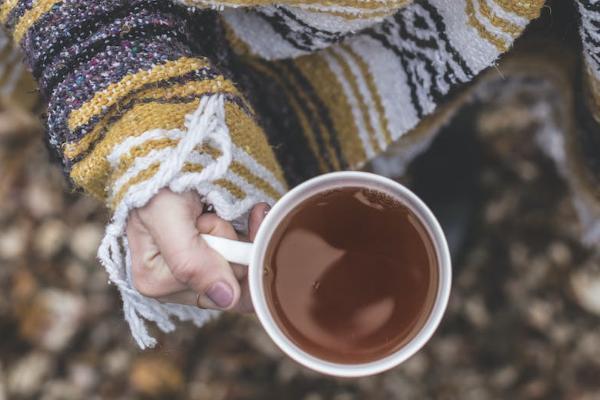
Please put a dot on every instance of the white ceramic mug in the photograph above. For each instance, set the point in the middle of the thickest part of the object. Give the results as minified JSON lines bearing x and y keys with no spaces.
{"x":253,"y":255}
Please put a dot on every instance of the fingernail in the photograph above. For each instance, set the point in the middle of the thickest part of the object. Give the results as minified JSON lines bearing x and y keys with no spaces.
{"x":221,"y":294}
{"x":267,"y":209}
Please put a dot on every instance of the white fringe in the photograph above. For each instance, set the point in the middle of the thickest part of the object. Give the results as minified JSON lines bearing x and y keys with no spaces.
{"x":206,"y":124}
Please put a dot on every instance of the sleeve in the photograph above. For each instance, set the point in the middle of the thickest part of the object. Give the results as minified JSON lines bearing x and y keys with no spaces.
{"x":133,"y":109}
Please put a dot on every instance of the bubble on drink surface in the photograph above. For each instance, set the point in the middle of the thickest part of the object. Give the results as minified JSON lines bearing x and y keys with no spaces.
{"x":377,"y":199}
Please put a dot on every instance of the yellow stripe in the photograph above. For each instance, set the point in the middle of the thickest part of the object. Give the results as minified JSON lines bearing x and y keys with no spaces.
{"x":116,"y":91}
{"x":126,"y":162}
{"x":6,"y":8}
{"x":143,"y":176}
{"x":355,"y":90}
{"x":149,"y":172}
{"x":501,"y":23}
{"x":74,"y":149}
{"x":40,"y":8}
{"x":216,"y":85}
{"x":142,"y":150}
{"x":244,"y":134}
{"x":362,"y":65}
{"x":529,"y":9}
{"x":93,"y":173}
{"x":254,"y":180}
{"x":249,"y":137}
{"x":234,"y":189}
{"x":500,"y":44}
{"x":328,"y":88}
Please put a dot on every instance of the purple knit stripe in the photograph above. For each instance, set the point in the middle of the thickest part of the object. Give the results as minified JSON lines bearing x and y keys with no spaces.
{"x":140,"y":29}
{"x":105,"y":68}
{"x":76,"y":20}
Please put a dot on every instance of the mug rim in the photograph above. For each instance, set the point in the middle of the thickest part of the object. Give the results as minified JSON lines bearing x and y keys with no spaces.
{"x":288,"y":203}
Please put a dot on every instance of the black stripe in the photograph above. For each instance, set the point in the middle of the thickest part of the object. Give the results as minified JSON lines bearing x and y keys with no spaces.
{"x":312,"y":119}
{"x":279,"y":122}
{"x":441,"y":29}
{"x":321,"y":108}
{"x":410,"y":79}
{"x":282,"y":29}
{"x":434,"y":91}
{"x":329,"y":36}
{"x":198,"y":75}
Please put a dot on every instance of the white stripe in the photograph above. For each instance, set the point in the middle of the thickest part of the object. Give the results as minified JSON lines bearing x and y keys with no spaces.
{"x":356,"y":109}
{"x":123,"y":148}
{"x":496,"y":31}
{"x":390,"y":81}
{"x":477,"y":52}
{"x":257,"y":169}
{"x":250,"y":190}
{"x":364,"y":90}
{"x":332,"y":23}
{"x":158,"y":155}
{"x":516,"y":19}
{"x":258,"y":35}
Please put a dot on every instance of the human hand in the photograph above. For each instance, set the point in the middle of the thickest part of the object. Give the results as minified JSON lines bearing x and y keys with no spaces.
{"x":171,"y":262}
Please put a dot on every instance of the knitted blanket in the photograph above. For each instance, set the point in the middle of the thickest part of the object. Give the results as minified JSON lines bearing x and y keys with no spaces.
{"x":241,"y":99}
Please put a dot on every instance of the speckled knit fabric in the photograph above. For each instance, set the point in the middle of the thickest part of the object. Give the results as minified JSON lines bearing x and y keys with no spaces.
{"x":241,"y":99}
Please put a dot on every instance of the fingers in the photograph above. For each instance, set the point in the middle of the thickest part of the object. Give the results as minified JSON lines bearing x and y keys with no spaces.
{"x":218,"y":293}
{"x":174,"y":223}
{"x":256,"y":217}
{"x":172,"y":263}
{"x":151,"y":275}
{"x":189,"y":297}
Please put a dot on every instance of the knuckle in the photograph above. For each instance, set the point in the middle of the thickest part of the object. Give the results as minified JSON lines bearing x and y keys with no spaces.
{"x":143,"y":285}
{"x":144,"y":281}
{"x":184,"y":268}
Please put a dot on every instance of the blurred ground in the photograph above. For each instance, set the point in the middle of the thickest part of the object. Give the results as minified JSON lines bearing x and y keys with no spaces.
{"x":523,"y":320}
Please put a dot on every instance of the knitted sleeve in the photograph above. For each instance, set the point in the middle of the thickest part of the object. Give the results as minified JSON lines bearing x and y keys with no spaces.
{"x":132,"y":109}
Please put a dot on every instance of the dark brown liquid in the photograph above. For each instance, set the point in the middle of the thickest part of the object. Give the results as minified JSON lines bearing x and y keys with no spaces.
{"x":351,"y":276}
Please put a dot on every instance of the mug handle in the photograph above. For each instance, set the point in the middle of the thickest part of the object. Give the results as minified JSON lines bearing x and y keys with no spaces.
{"x":232,"y":250}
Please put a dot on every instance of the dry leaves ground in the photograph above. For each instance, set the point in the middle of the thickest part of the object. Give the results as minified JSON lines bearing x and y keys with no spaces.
{"x":523,"y":321}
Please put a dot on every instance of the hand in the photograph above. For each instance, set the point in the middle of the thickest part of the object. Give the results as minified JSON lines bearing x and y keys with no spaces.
{"x":171,"y":262}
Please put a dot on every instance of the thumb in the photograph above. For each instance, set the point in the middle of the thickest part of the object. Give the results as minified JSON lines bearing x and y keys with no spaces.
{"x":192,"y":262}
